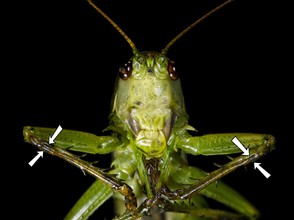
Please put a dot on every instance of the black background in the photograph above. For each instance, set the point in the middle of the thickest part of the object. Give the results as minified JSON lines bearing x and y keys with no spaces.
{"x":62,"y":61}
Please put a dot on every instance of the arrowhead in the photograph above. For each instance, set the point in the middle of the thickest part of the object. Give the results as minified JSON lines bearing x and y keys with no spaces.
{"x":41,"y":153}
{"x":34,"y":160}
{"x":51,"y":140}
{"x":256,"y":165}
{"x":246,"y":152}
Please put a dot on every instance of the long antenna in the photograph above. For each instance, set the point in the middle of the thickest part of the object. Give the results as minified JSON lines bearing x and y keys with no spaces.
{"x":165,"y":49}
{"x":130,"y":42}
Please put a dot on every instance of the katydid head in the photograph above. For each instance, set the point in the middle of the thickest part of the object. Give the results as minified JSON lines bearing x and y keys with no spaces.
{"x":149,"y":99}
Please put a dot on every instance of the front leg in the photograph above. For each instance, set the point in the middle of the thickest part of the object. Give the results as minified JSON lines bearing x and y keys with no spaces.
{"x":79,"y":141}
{"x":219,"y":144}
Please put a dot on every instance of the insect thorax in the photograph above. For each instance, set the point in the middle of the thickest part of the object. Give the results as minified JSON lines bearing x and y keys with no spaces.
{"x":149,"y":99}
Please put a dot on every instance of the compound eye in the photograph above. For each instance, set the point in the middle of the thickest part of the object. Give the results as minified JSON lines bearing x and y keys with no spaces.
{"x":125,"y":71}
{"x":172,"y":71}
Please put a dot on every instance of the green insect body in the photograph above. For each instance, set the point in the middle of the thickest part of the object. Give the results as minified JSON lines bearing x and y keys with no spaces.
{"x":150,"y":175}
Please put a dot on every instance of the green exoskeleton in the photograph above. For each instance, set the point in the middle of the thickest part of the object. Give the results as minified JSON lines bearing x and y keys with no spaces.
{"x":150,"y":135}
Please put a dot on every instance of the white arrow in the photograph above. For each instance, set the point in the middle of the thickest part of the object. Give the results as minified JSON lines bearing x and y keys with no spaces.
{"x":51,"y":139}
{"x":33,"y":161}
{"x":245,"y":151}
{"x":263,"y":171}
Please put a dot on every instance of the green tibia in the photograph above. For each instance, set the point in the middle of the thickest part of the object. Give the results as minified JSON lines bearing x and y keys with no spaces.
{"x":76,"y":140}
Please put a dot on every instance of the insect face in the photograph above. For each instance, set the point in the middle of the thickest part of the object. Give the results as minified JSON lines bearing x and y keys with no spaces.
{"x":149,"y":100}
